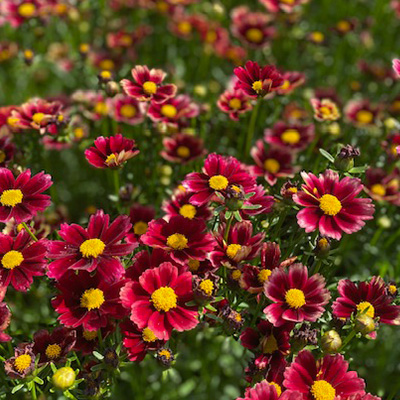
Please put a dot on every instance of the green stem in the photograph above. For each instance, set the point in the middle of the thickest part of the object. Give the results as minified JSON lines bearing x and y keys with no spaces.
{"x":251,"y":128}
{"x":317,"y":266}
{"x":116,"y":187}
{"x":228,"y":228}
{"x":31,"y":234}
{"x":348,"y":339}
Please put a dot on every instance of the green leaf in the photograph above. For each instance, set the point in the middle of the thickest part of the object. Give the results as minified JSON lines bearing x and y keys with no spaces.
{"x":359,"y":170}
{"x":327,"y":155}
{"x":16,"y":388}
{"x":98,"y":355}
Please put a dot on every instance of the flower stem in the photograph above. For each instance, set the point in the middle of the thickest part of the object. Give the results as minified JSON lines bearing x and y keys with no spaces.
{"x":116,"y":187}
{"x":228,"y":227}
{"x":251,"y":128}
{"x":347,"y":340}
{"x":31,"y":234}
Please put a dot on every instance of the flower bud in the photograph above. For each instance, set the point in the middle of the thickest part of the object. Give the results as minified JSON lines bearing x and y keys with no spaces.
{"x":364,"y":324}
{"x":234,"y":197}
{"x":322,"y":247}
{"x":64,"y":378}
{"x":345,"y":159}
{"x":331,"y":342}
{"x":112,"y":88}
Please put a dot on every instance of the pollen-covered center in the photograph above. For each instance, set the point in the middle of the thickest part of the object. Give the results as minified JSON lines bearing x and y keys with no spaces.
{"x":235,"y":103}
{"x":257,"y":86}
{"x":128,"y":111}
{"x":177,"y":241}
{"x":26,"y":10}
{"x":330,"y":204}
{"x":111,"y":159}
{"x":269,"y":344}
{"x":164,"y":299}
{"x":140,"y":228}
{"x":263,"y":275}
{"x":366,"y":308}
{"x":254,"y":35}
{"x":89,"y":335}
{"x":291,"y":136}
{"x":295,"y":298}
{"x":272,"y":165}
{"x":11,"y":197}
{"x":323,"y":390}
{"x":22,"y":362}
{"x":148,"y":335}
{"x":193,"y":265}
{"x":37,"y":118}
{"x":53,"y":351}
{"x":277,"y":388}
{"x":92,"y":299}
{"x":218,"y":182}
{"x":364,"y":116}
{"x":169,"y":111}
{"x":150,"y":87}
{"x":232,"y":250}
{"x":183,"y":151}
{"x":92,"y":248}
{"x":12,"y":259}
{"x":188,"y":211}
{"x":378,"y":189}
{"x":207,"y":286}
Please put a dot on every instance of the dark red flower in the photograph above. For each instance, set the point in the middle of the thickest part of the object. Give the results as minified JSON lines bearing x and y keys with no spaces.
{"x":362,"y":113}
{"x":140,"y":216}
{"x":23,"y":362}
{"x":87,"y":341}
{"x":287,"y":6}
{"x":7,"y":150}
{"x":291,"y":81}
{"x":234,"y":102}
{"x":268,"y":391}
{"x":383,"y":186}
{"x":125,"y":109}
{"x":182,"y":148}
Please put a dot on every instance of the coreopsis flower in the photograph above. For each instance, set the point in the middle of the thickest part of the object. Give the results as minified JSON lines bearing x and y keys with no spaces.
{"x":271,"y":163}
{"x":396,"y":65}
{"x":383,"y":186}
{"x":205,"y":287}
{"x":53,"y":347}
{"x":291,"y":81}
{"x":87,"y":341}
{"x":182,"y":148}
{"x":345,"y":26}
{"x":92,"y":104}
{"x":252,"y":28}
{"x":175,"y":111}
{"x":294,"y":137}
{"x":287,"y":6}
{"x":158,"y":301}
{"x":147,"y":85}
{"x":234,"y":102}
{"x":140,"y":216}
{"x":21,"y":198}
{"x":87,"y":300}
{"x":296,"y":296}
{"x":111,"y":152}
{"x":331,"y":205}
{"x":264,"y":202}
{"x":218,"y":174}
{"x":258,"y":81}
{"x":362,"y":113}
{"x":323,"y":379}
{"x":21,"y":260}
{"x":125,"y":109}
{"x":182,"y":237}
{"x":97,"y":248}
{"x":19,"y":11}
{"x":369,"y":298}
{"x":325,"y":110}
{"x":5,"y":317}
{"x":366,"y":396}
{"x":240,"y":245}
{"x":138,"y":341}
{"x":23,"y":362}
{"x":265,"y":390}
{"x":182,"y":24}
{"x":390,"y":145}
{"x":8,"y":50}
{"x":7,"y":150}
{"x":294,"y":114}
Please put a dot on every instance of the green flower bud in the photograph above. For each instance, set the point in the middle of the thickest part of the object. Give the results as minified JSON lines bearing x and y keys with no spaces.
{"x":331,"y":342}
{"x":64,"y":378}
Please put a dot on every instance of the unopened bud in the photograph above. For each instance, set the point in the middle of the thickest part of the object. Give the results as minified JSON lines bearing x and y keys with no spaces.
{"x":64,"y":378}
{"x":364,"y":324}
{"x":345,"y":159}
{"x":331,"y":342}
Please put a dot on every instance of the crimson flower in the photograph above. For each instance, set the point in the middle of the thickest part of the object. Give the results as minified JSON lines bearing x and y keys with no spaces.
{"x":140,"y":216}
{"x":383,"y":186}
{"x":234,"y":102}
{"x":182,"y":148}
{"x":125,"y":109}
{"x":265,"y":390}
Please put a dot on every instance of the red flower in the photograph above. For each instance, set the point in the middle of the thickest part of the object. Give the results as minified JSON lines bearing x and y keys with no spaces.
{"x":7,"y":150}
{"x":147,"y":85}
{"x":182,"y":148}
{"x":367,"y":396}
{"x":382,"y":186}
{"x":362,"y":113}
{"x":87,"y":341}
{"x":396,"y":66}
{"x":292,"y":137}
{"x":218,"y":174}
{"x":183,"y":238}
{"x":111,"y":152}
{"x":272,"y":163}
{"x":331,"y":205}
{"x":323,"y":379}
{"x":96,"y":248}
{"x":125,"y":109}
{"x":287,"y":6}
{"x":140,"y":216}
{"x":158,"y":301}
{"x":19,"y":11}
{"x":296,"y":296}
{"x":21,"y":260}
{"x":291,"y":81}
{"x":268,"y":391}
{"x":87,"y":301}
{"x":325,"y":110}
{"x":369,"y":297}
{"x":234,"y":102}
{"x":258,"y":81}
{"x":23,"y":362}
{"x":21,"y":198}
{"x":261,"y":199}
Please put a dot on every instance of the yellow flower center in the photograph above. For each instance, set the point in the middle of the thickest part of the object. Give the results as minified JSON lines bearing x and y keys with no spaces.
{"x":11,"y":197}
{"x":107,"y":64}
{"x":378,"y":189}
{"x":166,"y":353}
{"x":89,"y":335}
{"x":207,"y":286}
{"x":211,"y":36}
{"x":111,"y":159}
{"x":236,"y":274}
{"x":254,"y":35}
{"x":37,"y":118}
{"x":26,"y":10}
{"x":269,"y":344}
{"x":105,"y":74}
{"x":150,"y":87}
{"x":126,"y":40}
{"x":140,"y":228}
{"x":288,"y":1}
{"x":164,"y":299}
{"x":392,"y":289}
{"x":232,"y":250}
{"x":257,"y":86}
{"x":343,"y":26}
{"x":101,"y":108}
{"x":53,"y":351}
{"x":330,"y":204}
{"x":2,"y":156}
{"x":365,"y":117}
{"x":22,"y":362}
{"x":295,"y":298}
{"x":323,"y":243}
{"x":218,"y":182}
{"x":263,"y":275}
{"x":92,"y":299}
{"x":92,"y":248}
{"x":272,"y":165}
{"x":177,"y":241}
{"x":79,"y":133}
{"x":285,"y":85}
{"x":12,"y":259}
{"x":277,"y":387}
{"x":317,"y":37}
{"x":235,"y":103}
{"x":128,"y":111}
{"x":12,"y":121}
{"x":366,"y":308}
{"x":183,"y":151}
{"x":148,"y":335}
{"x":169,"y":111}
{"x":185,"y":27}
{"x":188,"y":211}
{"x":193,"y":265}
{"x":291,"y":136}
{"x":323,"y":390}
